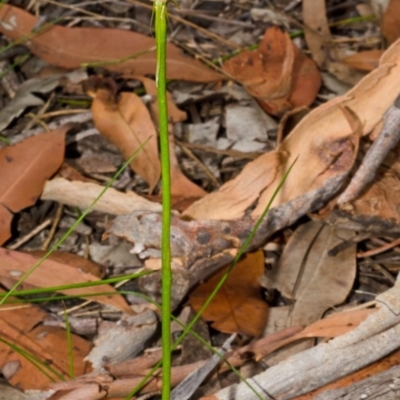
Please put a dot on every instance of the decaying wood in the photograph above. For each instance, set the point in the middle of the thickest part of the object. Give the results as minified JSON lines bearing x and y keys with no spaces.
{"x":199,"y":248}
{"x":373,"y":339}
{"x":383,"y":386}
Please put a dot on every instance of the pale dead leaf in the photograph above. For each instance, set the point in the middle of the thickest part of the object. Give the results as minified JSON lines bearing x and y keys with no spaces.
{"x":316,"y":29}
{"x":127,"y":124}
{"x":308,"y":275}
{"x":52,"y":273}
{"x":82,"y":194}
{"x":72,"y":47}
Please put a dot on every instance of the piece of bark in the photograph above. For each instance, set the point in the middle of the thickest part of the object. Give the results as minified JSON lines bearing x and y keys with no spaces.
{"x":373,"y":339}
{"x":383,"y":386}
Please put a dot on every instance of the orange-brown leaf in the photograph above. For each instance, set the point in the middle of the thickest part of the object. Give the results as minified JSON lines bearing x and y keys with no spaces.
{"x":390,"y":25}
{"x":71,"y":47}
{"x":238,"y":306}
{"x":52,"y":273}
{"x":127,"y":123}
{"x":25,"y":168}
{"x":21,"y":327}
{"x":364,"y":60}
{"x":278,"y":74}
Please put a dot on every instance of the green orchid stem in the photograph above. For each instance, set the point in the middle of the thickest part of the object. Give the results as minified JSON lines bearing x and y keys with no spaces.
{"x":160,"y":11}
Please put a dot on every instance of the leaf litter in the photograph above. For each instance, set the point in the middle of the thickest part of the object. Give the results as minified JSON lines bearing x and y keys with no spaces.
{"x":312,"y":267}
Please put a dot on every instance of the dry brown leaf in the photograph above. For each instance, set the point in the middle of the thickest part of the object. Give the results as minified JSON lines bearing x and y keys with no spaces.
{"x":277,"y":74}
{"x":73,"y":260}
{"x":238,"y":306}
{"x":5,"y":223}
{"x":316,"y":29}
{"x":127,"y":124}
{"x":329,"y":327}
{"x":25,"y":167}
{"x":390,"y":25}
{"x":21,"y":326}
{"x":71,"y":47}
{"x":324,"y":143}
{"x":364,"y":60}
{"x":308,"y":275}
{"x":182,"y":189}
{"x":174,"y":113}
{"x":323,"y":49}
{"x":52,"y":273}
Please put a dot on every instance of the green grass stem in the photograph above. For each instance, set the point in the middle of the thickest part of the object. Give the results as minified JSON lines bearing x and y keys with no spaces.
{"x":160,"y":13}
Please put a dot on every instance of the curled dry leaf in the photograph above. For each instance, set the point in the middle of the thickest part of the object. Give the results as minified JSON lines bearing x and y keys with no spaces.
{"x":127,"y":124}
{"x":71,"y":47}
{"x":277,"y":74}
{"x":237,"y":307}
{"x":181,"y":187}
{"x":25,"y":167}
{"x":53,"y":273}
{"x":324,"y":143}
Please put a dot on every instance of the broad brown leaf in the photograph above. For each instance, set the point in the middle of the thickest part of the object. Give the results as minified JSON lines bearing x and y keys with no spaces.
{"x":127,"y":124}
{"x":52,"y":273}
{"x":71,"y":47}
{"x":238,"y":306}
{"x":25,"y":168}
{"x":277,"y":74}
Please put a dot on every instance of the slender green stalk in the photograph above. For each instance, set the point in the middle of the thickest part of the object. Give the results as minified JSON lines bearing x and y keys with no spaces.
{"x":69,"y":344}
{"x":241,"y":251}
{"x":160,"y":12}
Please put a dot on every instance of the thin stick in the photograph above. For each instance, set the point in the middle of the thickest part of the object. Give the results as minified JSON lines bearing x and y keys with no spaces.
{"x":30,"y":235}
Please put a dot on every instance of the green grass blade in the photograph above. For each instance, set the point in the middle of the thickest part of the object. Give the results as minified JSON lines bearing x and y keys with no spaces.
{"x":69,"y":345}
